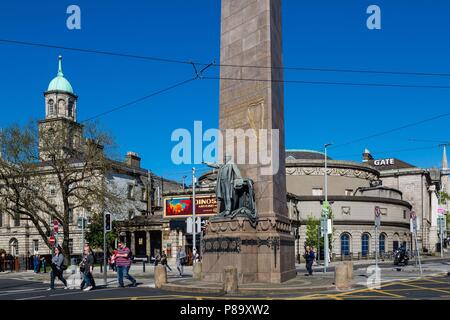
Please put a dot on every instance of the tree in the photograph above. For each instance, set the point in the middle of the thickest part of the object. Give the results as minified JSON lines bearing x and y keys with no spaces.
{"x":48,"y":173}
{"x":94,"y":233}
{"x":312,"y":232}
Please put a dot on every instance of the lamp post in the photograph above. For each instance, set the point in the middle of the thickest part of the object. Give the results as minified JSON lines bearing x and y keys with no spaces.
{"x":326,"y":248}
{"x":194,"y":221}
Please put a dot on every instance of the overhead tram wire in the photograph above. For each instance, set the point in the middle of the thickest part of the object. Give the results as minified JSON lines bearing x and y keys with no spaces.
{"x":187,"y":62}
{"x":151,"y":95}
{"x":409,"y":125}
{"x":331,"y":83}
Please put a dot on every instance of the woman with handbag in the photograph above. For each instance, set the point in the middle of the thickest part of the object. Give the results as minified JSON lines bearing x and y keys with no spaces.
{"x":57,"y":269}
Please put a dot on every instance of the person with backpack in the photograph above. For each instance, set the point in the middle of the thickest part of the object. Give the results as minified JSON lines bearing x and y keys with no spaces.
{"x":123,"y":264}
{"x":58,"y":268}
{"x":181,"y":260}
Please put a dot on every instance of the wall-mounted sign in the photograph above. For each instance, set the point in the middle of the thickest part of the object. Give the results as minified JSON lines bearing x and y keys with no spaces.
{"x":181,"y":207}
{"x":384,"y":162}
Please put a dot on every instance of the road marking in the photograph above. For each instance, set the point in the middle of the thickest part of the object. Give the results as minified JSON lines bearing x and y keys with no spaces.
{"x":425,"y":288}
{"x":388,"y":293}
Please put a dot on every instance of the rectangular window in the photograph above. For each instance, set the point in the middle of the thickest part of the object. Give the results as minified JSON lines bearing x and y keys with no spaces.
{"x":70,"y":246}
{"x":404,"y":214}
{"x":70,"y":215}
{"x":17,"y":220}
{"x":35,"y":246}
{"x":130,"y":193}
{"x":317,"y":191}
{"x":348,"y":192}
{"x":52,"y":189}
{"x":130,"y":214}
{"x":1,"y":219}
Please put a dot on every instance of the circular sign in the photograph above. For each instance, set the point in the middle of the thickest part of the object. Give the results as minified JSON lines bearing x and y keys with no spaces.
{"x":52,"y":240}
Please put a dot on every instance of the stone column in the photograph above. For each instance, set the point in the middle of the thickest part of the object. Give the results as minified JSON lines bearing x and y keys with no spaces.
{"x":251,"y":36}
{"x":133,"y":243}
{"x":149,"y":250}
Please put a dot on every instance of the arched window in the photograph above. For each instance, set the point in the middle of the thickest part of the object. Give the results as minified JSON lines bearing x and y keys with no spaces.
{"x":51,"y":107}
{"x":345,"y":244}
{"x":364,"y":244}
{"x":61,"y":106}
{"x":14,"y":247}
{"x":70,"y":109}
{"x":382,"y":243}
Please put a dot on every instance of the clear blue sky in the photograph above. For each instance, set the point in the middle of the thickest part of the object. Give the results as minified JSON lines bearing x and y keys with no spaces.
{"x":415,"y":37}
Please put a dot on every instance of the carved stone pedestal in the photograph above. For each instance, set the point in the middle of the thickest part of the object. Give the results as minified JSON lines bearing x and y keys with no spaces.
{"x":264,"y":254}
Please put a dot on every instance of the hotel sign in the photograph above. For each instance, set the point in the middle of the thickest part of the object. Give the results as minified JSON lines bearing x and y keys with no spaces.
{"x":384,"y":162}
{"x":181,"y":207}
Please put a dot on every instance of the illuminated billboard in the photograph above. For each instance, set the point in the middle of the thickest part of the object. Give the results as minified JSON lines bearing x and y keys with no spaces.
{"x":181,"y":207}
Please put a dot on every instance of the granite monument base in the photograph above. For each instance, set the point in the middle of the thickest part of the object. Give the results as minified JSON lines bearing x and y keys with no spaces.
{"x":261,"y":255}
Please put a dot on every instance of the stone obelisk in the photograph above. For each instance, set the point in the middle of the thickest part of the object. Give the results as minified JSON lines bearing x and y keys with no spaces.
{"x":251,"y":49}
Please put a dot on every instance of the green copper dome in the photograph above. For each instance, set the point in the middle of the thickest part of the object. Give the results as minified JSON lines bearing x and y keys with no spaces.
{"x":59,"y":83}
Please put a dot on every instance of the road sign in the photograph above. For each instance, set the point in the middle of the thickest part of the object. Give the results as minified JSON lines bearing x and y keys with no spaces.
{"x":52,"y":240}
{"x":55,"y":226}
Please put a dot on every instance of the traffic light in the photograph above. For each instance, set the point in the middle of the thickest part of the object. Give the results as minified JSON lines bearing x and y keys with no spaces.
{"x":108,"y":222}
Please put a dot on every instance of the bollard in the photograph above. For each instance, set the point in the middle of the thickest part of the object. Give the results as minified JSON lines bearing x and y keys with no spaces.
{"x":230,"y":280}
{"x":340,"y":277}
{"x":160,"y":276}
{"x":143,"y":266}
{"x":349,"y":265}
{"x":197,"y":271}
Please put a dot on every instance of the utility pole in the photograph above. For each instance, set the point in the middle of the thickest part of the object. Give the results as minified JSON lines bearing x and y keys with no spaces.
{"x":149,"y":193}
{"x":105,"y":277}
{"x":184,"y":183}
{"x":326,"y":213}
{"x":194,"y":220}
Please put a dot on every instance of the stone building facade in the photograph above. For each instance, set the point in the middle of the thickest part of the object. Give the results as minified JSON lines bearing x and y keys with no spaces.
{"x":140,"y":190}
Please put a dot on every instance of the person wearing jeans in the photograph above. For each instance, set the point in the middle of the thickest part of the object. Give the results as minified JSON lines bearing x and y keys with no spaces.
{"x":123,"y":264}
{"x":57,"y":269}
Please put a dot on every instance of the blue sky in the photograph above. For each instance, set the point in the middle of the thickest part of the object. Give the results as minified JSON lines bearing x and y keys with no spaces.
{"x":415,"y":37}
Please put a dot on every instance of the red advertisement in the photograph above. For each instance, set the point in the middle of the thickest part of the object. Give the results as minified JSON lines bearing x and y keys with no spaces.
{"x":180,"y":207}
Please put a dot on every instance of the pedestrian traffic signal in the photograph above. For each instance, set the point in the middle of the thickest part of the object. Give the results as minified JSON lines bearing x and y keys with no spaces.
{"x":108,"y":222}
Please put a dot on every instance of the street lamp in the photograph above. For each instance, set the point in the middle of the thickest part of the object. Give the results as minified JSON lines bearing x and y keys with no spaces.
{"x":325,"y":218}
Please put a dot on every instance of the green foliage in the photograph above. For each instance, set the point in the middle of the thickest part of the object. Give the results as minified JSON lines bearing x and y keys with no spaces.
{"x":443,"y":197}
{"x":94,"y":233}
{"x":312,"y":232}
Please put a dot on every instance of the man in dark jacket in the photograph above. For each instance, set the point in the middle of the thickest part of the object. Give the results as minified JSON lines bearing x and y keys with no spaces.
{"x":309,"y":257}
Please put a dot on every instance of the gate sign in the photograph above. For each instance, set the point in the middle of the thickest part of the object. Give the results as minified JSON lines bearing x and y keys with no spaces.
{"x":377,"y":216}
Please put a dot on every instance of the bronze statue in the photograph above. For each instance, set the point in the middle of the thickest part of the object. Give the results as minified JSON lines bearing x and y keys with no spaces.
{"x":236,"y":194}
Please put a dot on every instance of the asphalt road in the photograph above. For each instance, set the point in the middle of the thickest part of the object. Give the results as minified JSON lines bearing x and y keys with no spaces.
{"x":436,"y":288}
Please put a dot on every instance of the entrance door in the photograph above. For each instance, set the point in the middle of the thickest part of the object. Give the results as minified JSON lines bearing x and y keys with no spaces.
{"x":140,"y":245}
{"x":155,"y":242}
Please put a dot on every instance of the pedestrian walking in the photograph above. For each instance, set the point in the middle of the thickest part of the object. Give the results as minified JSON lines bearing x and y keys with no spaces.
{"x":57,"y":269}
{"x":164,"y":261}
{"x":36,"y":262}
{"x":181,"y":260}
{"x":123,"y":264}
{"x":87,"y":270}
